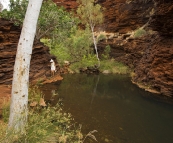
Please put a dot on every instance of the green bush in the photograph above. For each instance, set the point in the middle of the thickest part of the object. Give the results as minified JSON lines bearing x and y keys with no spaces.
{"x":87,"y":61}
{"x":106,"y":53}
{"x":113,"y":67}
{"x":139,"y":33}
{"x":101,"y":37}
{"x":61,"y":53}
{"x":73,"y":47}
{"x":105,"y":65}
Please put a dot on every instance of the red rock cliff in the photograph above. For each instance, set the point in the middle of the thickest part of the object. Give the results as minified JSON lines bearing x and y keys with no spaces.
{"x":9,"y":37}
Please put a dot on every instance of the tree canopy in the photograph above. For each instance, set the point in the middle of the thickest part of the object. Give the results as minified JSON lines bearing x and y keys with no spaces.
{"x":89,"y":12}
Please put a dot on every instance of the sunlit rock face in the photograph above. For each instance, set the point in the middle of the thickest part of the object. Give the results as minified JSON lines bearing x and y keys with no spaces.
{"x":9,"y":37}
{"x":151,"y":56}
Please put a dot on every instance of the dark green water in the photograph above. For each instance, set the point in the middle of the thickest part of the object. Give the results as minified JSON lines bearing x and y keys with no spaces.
{"x":116,"y":108}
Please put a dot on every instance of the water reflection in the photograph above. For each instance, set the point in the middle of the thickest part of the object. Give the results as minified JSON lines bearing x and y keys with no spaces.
{"x":117,"y":109}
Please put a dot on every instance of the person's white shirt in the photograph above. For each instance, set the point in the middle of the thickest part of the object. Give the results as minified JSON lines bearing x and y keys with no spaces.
{"x":52,"y":65}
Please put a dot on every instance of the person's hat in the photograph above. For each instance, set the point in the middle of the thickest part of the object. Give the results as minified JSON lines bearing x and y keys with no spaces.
{"x":51,"y":60}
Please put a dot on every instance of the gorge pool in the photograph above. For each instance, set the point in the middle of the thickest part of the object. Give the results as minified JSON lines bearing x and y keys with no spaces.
{"x":119,"y":110}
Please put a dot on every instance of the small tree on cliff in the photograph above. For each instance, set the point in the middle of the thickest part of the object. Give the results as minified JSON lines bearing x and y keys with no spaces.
{"x":19,"y":99}
{"x":90,"y":13}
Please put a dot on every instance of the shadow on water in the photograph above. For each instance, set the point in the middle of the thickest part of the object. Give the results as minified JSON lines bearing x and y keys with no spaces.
{"x":116,"y":108}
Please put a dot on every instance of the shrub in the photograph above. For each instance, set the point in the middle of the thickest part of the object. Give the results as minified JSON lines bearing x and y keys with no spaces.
{"x":61,"y":53}
{"x":106,"y":53}
{"x":139,"y":33}
{"x":114,"y":67}
{"x":101,"y":37}
{"x":87,"y":61}
{"x":6,"y":111}
{"x":73,"y":47}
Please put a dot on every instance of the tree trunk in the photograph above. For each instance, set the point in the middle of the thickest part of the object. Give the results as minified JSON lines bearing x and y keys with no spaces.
{"x":95,"y":45}
{"x":20,"y":84}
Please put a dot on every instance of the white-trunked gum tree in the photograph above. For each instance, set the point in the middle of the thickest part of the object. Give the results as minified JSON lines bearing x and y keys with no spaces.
{"x":20,"y":83}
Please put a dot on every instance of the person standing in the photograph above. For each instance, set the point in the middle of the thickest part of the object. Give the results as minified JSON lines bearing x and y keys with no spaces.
{"x":53,"y":67}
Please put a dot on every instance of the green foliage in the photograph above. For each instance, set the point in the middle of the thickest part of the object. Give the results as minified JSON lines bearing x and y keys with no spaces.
{"x":109,"y":65}
{"x":17,"y":11}
{"x":106,"y":53}
{"x":72,"y":48}
{"x":53,"y":21}
{"x":87,"y":61}
{"x":60,"y":52}
{"x":89,"y":12}
{"x":46,"y":41}
{"x":34,"y":94}
{"x":6,"y":111}
{"x":139,"y":33}
{"x":3,"y":127}
{"x":113,"y":67}
{"x":79,"y":44}
{"x":101,"y":37}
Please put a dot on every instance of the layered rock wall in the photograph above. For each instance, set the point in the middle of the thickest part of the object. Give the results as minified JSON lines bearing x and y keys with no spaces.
{"x":9,"y":37}
{"x":123,"y":16}
{"x":151,"y":57}
{"x":156,"y":65}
